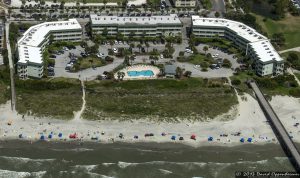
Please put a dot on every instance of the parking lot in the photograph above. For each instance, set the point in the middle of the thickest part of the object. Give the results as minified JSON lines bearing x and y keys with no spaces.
{"x":62,"y":60}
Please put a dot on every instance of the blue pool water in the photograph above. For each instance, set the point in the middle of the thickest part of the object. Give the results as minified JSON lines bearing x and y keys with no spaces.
{"x":146,"y":73}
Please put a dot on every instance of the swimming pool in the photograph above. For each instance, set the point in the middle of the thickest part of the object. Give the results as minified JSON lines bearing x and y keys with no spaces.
{"x":146,"y":73}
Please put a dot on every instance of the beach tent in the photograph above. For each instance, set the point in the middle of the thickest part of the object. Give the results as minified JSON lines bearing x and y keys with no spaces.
{"x":50,"y":136}
{"x":73,"y":135}
{"x":242,"y":140}
{"x":151,"y":134}
{"x":210,"y":139}
{"x":193,"y":137}
{"x":173,"y":137}
{"x":42,"y":137}
{"x":249,"y":139}
{"x":181,"y":138}
{"x":136,"y":137}
{"x":60,"y":135}
{"x":163,"y":134}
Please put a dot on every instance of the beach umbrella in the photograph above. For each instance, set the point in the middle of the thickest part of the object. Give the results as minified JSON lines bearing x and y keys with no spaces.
{"x":249,"y":140}
{"x":42,"y":137}
{"x":181,"y":138}
{"x":193,"y":137}
{"x":210,"y":139}
{"x":136,"y":137}
{"x":173,"y":137}
{"x":60,"y":135}
{"x":20,"y":136}
{"x":163,"y":134}
{"x":50,"y":136}
{"x":242,"y":140}
{"x":121,"y":135}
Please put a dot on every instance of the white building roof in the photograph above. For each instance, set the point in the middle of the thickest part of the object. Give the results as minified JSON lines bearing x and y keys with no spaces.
{"x":169,"y":19}
{"x":264,"y":49}
{"x":28,"y":45}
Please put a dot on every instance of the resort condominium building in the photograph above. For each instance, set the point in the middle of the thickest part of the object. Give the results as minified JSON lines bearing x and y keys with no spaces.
{"x":267,"y":61}
{"x":153,"y":26}
{"x":34,"y":41}
{"x":185,"y":3}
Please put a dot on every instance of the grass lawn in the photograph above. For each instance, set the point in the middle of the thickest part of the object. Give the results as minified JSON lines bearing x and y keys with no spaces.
{"x":199,"y":58}
{"x":90,"y":61}
{"x":289,"y":26}
{"x":164,"y":100}
{"x":57,"y":97}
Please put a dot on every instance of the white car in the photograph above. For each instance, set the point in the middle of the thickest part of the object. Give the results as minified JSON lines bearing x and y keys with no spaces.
{"x":161,"y":56}
{"x":115,"y":50}
{"x":116,"y":42}
{"x":100,"y":55}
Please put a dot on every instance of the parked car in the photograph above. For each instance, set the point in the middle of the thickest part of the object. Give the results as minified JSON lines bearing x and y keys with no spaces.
{"x":115,"y":50}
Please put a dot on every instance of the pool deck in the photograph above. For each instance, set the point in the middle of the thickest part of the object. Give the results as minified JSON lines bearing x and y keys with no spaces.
{"x":139,"y":68}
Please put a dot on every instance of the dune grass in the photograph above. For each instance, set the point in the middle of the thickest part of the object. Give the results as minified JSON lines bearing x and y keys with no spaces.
{"x":4,"y":85}
{"x":57,"y":98}
{"x":168,"y":100}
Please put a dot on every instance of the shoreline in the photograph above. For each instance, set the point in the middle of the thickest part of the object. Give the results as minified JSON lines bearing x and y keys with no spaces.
{"x":246,"y":118}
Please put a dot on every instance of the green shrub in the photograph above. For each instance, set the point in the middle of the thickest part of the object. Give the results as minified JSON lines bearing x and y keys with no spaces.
{"x":295,"y":92}
{"x":236,"y":82}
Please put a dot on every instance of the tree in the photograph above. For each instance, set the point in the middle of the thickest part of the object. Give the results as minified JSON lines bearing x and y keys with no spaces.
{"x":278,"y":39}
{"x":132,"y":59}
{"x":139,"y":46}
{"x":111,"y":42}
{"x":226,"y":63}
{"x":236,"y":82}
{"x":179,"y":72}
{"x":95,"y":48}
{"x":217,"y":14}
{"x":104,"y":2}
{"x":147,"y":46}
{"x":187,"y":74}
{"x":105,"y":32}
{"x":205,"y":49}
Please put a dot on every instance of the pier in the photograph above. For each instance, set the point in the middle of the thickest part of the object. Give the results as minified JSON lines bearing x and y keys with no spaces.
{"x":279,"y":130}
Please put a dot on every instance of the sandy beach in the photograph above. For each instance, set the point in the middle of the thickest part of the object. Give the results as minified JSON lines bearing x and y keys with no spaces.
{"x":246,"y":118}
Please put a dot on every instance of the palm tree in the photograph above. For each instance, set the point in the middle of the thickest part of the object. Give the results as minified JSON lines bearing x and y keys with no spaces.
{"x":111,"y":42}
{"x":132,"y":59}
{"x":147,"y":46}
{"x":104,"y":2}
{"x":205,"y":48}
{"x":139,"y":46}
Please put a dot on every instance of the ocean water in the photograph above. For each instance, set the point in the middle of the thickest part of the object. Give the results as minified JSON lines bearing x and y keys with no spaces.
{"x":49,"y":159}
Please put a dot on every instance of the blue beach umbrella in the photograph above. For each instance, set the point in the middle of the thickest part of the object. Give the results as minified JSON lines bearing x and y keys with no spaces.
{"x":50,"y":136}
{"x":173,"y":137}
{"x":210,"y":139}
{"x":249,"y":140}
{"x":60,"y":135}
{"x":242,"y":140}
{"x":42,"y":137}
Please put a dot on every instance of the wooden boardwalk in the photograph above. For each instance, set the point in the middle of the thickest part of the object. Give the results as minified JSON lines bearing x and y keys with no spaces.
{"x":279,"y":130}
